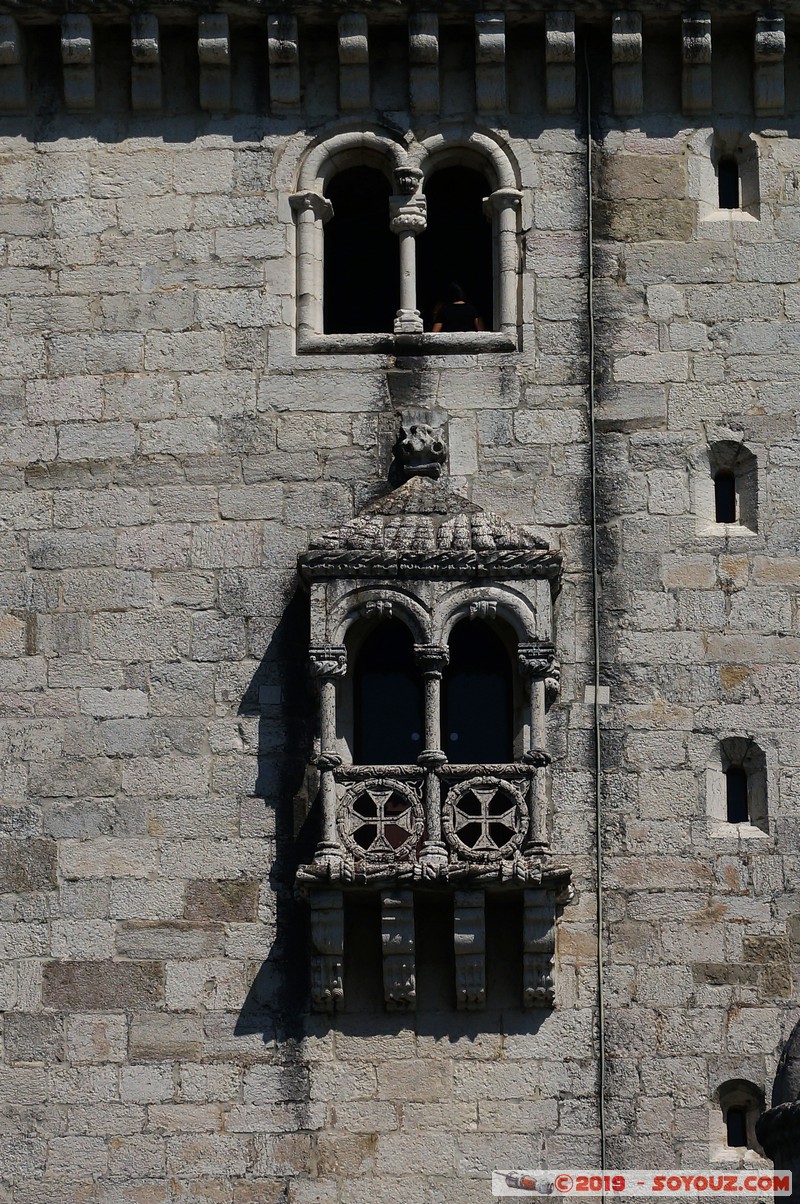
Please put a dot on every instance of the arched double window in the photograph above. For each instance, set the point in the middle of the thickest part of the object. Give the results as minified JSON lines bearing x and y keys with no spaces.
{"x":476,"y":706}
{"x":382,"y":240}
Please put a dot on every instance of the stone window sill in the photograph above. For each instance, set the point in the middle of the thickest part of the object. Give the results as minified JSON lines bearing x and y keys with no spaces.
{"x":721,"y":829}
{"x":418,"y":344}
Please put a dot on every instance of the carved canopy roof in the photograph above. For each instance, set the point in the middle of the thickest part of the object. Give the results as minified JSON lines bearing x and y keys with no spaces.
{"x":425,"y":529}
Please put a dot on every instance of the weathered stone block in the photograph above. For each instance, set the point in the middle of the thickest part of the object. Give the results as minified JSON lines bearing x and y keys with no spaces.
{"x":100,"y":986}
{"x":28,"y":865}
{"x":222,"y":900}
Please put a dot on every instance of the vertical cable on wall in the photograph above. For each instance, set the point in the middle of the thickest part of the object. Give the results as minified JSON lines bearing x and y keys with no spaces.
{"x":595,"y":615}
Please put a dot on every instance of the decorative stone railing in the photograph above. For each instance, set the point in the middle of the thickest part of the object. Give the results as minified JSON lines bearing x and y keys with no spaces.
{"x":398,"y":823}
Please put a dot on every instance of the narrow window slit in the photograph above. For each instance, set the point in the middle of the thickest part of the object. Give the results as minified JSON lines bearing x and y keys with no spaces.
{"x":729,"y":183}
{"x":736,"y":795}
{"x":725,"y":496}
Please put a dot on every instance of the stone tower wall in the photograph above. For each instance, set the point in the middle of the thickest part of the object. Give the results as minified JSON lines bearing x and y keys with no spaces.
{"x":166,"y":455}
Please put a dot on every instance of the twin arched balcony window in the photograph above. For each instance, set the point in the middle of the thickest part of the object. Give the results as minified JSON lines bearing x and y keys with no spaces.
{"x":381,"y":241}
{"x":477,"y":712}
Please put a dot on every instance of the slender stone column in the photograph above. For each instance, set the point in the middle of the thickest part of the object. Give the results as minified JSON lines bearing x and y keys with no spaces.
{"x":501,"y":208}
{"x":540,"y":671}
{"x":326,"y":665}
{"x":432,"y":659}
{"x":408,"y":210}
{"x":312,"y":210}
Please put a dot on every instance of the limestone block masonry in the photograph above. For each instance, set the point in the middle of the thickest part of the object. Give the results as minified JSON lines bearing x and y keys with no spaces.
{"x":180,"y":425}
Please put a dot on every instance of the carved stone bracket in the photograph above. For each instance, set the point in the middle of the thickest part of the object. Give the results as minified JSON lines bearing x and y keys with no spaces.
{"x":490,"y":62}
{"x":769,"y":52}
{"x":145,"y":63}
{"x":327,"y":956}
{"x":626,"y":58}
{"x":538,"y":948}
{"x":214,"y":54}
{"x":397,"y":937}
{"x":77,"y":57}
{"x":353,"y":63}
{"x":423,"y":58}
{"x":696,"y":87}
{"x":13,"y":91}
{"x":469,"y":940}
{"x":560,"y":61}
{"x":284,"y":62}
{"x":328,"y":661}
{"x":421,"y":450}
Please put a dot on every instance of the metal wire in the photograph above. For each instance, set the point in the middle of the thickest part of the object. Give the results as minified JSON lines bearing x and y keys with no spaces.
{"x":595,"y":618}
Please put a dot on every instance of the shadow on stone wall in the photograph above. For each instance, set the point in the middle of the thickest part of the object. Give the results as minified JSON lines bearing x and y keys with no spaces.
{"x":278,"y":996}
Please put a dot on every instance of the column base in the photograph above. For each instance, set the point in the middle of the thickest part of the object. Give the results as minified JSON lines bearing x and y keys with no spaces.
{"x":408,"y":321}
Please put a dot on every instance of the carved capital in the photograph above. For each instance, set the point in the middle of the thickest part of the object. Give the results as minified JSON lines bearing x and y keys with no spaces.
{"x":329,"y":661}
{"x":431,"y":658}
{"x":407,"y":180}
{"x":537,"y":659}
{"x":326,"y":761}
{"x":503,"y":198}
{"x":408,"y":213}
{"x":312,"y":202}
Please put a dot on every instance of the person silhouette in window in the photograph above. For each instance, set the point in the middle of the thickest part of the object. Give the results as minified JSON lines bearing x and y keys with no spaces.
{"x":455,"y":313}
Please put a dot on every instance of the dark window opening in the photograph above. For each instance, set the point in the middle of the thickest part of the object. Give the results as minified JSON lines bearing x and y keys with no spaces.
{"x":388,"y":716}
{"x":362,"y":264}
{"x":736,"y":1126}
{"x":478,"y":712}
{"x":456,"y":247}
{"x":736,"y":795}
{"x":729,"y":184}
{"x":725,"y":496}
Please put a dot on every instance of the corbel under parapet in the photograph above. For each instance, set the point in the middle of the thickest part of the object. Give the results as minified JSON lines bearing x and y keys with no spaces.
{"x":469,"y":942}
{"x":354,"y":90}
{"x":423,"y":59}
{"x":283,"y":52}
{"x":769,"y":53}
{"x":327,"y":950}
{"x":626,"y":61}
{"x":214,"y":54}
{"x":13,"y":88}
{"x":398,"y":944}
{"x":696,"y":81}
{"x":77,"y":58}
{"x":538,"y":948}
{"x":560,"y":61}
{"x":490,"y":62}
{"x":146,"y":91}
